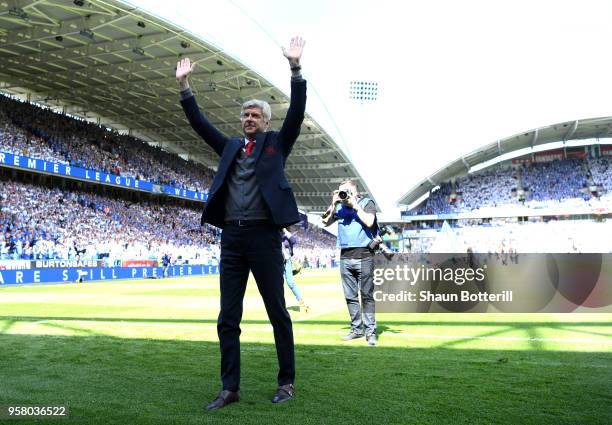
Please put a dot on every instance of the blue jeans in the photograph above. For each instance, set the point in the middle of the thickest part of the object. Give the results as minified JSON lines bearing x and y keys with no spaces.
{"x":290,"y":281}
{"x":358,"y":278}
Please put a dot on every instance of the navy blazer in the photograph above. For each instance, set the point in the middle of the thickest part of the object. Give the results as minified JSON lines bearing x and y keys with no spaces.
{"x":271,"y":151}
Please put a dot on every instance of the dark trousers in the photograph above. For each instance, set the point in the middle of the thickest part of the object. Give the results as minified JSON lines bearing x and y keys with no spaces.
{"x":258,"y":249}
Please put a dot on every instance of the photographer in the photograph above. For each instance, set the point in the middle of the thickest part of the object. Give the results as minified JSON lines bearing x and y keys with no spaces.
{"x":357,"y":230}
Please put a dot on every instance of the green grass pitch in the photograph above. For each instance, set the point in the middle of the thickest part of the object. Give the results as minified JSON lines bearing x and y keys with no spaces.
{"x":146,"y":352}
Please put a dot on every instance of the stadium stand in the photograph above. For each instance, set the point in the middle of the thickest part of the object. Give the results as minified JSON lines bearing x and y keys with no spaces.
{"x":43,"y":134}
{"x":565,"y":182}
{"x":93,"y":224}
{"x":504,"y":236}
{"x":315,"y":247}
{"x":51,"y":223}
{"x":40,"y":222}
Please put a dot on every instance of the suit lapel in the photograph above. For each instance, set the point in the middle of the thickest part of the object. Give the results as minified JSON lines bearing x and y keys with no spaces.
{"x":238,"y":144}
{"x":260,"y":141}
{"x":226,"y":160}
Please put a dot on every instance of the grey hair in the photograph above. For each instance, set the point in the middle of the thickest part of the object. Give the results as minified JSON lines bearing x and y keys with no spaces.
{"x":261,"y":104}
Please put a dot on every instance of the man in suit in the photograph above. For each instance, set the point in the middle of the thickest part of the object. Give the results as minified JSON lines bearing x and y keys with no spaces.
{"x":250,"y":199}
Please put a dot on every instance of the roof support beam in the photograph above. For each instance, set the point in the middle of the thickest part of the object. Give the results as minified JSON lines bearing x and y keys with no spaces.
{"x":324,"y":166}
{"x":90,"y":68}
{"x":145,"y":124}
{"x":186,"y":135}
{"x":571,"y":131}
{"x":313,"y":151}
{"x":314,"y":194}
{"x":69,"y":26}
{"x":125,"y":72}
{"x":122,"y":79}
{"x":534,"y":139}
{"x":177,"y":110}
{"x":322,"y":180}
{"x":136,"y":89}
{"x":93,"y":49}
{"x":605,"y":132}
{"x":313,"y":208}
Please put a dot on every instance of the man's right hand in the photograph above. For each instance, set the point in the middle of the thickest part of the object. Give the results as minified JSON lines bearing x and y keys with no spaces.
{"x":184,"y":68}
{"x":336,"y":198}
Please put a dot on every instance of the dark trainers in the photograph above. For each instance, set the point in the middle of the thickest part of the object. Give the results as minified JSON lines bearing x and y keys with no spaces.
{"x":284,"y":393}
{"x":372,"y":340}
{"x":224,"y":398}
{"x":352,"y":335}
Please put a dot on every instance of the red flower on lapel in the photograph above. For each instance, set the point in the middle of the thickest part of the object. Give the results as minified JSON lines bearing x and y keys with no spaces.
{"x":270,"y":150}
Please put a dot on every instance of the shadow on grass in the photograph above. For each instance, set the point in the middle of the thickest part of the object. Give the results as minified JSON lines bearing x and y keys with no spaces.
{"x":497,"y":332}
{"x":108,"y":380}
{"x":7,"y":325}
{"x":304,"y":321}
{"x":77,"y":330}
{"x":381,"y":329}
{"x":589,"y":332}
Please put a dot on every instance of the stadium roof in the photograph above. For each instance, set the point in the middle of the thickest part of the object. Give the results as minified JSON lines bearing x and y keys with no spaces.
{"x":591,"y":128}
{"x":109,"y":62}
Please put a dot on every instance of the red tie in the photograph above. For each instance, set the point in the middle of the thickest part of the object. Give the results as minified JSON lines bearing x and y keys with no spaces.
{"x":249,"y":147}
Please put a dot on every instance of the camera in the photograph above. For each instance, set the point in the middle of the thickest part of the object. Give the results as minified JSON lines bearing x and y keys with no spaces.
{"x":344,"y":195}
{"x":377,"y":244}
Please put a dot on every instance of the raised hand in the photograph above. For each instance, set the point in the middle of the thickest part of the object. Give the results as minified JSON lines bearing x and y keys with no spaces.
{"x":294,"y":52}
{"x":184,"y":67}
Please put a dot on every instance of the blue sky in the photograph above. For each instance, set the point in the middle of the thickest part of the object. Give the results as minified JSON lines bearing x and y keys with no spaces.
{"x":453,"y":76}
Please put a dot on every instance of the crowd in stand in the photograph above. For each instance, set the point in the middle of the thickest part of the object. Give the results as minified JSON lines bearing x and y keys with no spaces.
{"x":438,"y":201}
{"x":18,"y":142}
{"x":486,"y":190}
{"x":489,"y":188}
{"x":49,"y":223}
{"x":557,"y":180}
{"x":315,"y":247}
{"x":554,"y":236}
{"x":38,"y":222}
{"x":601,"y":172}
{"x":566,"y":182}
{"x":43,"y":134}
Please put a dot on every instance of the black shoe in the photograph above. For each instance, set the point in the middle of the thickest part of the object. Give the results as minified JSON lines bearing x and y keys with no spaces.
{"x":224,"y":398}
{"x":351,"y":335}
{"x":284,"y":393}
